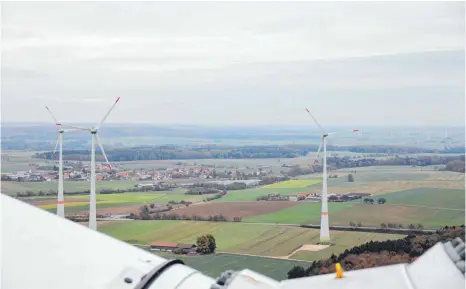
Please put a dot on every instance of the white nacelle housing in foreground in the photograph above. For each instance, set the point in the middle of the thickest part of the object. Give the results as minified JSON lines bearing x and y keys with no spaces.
{"x":43,"y":251}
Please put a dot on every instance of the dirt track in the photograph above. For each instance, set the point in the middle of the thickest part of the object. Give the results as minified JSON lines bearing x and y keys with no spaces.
{"x":235,"y":209}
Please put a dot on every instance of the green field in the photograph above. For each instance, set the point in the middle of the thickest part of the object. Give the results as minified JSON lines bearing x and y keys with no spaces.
{"x":10,"y":187}
{"x":304,"y":213}
{"x":293,"y":184}
{"x":216,"y":264}
{"x":126,"y":199}
{"x":374,"y":215}
{"x":240,"y":238}
{"x":431,"y":197}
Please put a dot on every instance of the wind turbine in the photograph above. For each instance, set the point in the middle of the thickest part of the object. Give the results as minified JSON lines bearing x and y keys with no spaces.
{"x":324,"y":224}
{"x":95,"y":138}
{"x":59,"y":143}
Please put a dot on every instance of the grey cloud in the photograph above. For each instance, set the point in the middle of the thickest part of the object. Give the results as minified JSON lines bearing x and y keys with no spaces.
{"x":234,"y":62}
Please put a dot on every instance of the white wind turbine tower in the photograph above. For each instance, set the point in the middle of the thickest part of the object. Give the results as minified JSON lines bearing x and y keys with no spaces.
{"x":95,"y":138}
{"x":59,"y":143}
{"x":324,"y":224}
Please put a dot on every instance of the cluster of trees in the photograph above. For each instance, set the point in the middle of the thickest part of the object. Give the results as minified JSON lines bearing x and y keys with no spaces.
{"x":400,"y":226}
{"x":277,"y":197}
{"x":182,"y":202}
{"x":112,"y":191}
{"x":350,"y":178}
{"x":268,"y":180}
{"x":148,"y":212}
{"x":376,"y":253}
{"x":456,"y":166}
{"x":153,"y":188}
{"x":353,"y":224}
{"x":380,"y":201}
{"x":219,"y":186}
{"x":28,"y":193}
{"x":206,"y":244}
{"x":202,"y":191}
{"x":216,"y":196}
{"x":174,"y":216}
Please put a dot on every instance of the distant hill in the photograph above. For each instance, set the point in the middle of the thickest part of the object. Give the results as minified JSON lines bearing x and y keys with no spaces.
{"x":375,"y":254}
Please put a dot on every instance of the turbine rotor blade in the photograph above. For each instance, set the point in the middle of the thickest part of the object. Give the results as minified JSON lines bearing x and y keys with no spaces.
{"x":71,"y":130}
{"x":54,"y":118}
{"x":315,"y":120}
{"x":109,"y":111}
{"x":76,"y":127}
{"x":56,"y":145}
{"x":318,"y":153}
{"x":102,"y":149}
{"x":343,"y":131}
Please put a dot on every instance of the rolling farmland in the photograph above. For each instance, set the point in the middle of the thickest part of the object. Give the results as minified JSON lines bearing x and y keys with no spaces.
{"x":303,"y":213}
{"x":238,"y":238}
{"x":77,"y":203}
{"x":430,"y":197}
{"x":234,"y":209}
{"x":293,"y":184}
{"x":11,"y":187}
{"x":374,"y":215}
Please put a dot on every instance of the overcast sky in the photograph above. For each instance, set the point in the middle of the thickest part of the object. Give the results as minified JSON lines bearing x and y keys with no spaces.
{"x":235,"y":63}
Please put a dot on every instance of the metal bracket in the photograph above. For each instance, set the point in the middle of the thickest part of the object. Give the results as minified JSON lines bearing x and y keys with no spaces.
{"x":156,"y":272}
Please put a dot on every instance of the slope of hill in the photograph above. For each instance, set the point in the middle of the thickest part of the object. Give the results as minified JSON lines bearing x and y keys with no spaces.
{"x":374,"y":254}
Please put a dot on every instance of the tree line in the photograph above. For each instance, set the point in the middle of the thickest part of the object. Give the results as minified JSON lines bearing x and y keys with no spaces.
{"x":155,"y":188}
{"x":172,"y":152}
{"x":175,"y":216}
{"x":379,"y":253}
{"x":452,"y":162}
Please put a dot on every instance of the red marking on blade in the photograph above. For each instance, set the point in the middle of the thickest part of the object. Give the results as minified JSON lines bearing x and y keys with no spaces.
{"x":117,"y":100}
{"x":315,"y":161}
{"x":60,"y":202}
{"x":58,"y":123}
{"x":355,"y":130}
{"x":324,"y":213}
{"x":307,"y":110}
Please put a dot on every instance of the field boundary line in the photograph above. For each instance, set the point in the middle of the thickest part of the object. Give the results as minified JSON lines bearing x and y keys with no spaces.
{"x":427,"y":207}
{"x":267,"y":257}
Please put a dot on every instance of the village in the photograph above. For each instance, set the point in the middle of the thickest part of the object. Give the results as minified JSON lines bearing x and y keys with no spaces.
{"x":76,"y":171}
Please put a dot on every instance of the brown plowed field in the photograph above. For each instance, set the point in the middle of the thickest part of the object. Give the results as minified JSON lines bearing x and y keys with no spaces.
{"x":234,"y":209}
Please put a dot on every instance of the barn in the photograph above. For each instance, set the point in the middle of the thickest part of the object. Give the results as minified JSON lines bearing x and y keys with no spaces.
{"x":163,"y":246}
{"x":172,"y":246}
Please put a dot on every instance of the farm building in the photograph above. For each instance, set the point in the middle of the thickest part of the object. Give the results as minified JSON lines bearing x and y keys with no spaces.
{"x":172,"y":246}
{"x":187,"y":248}
{"x":163,"y":246}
